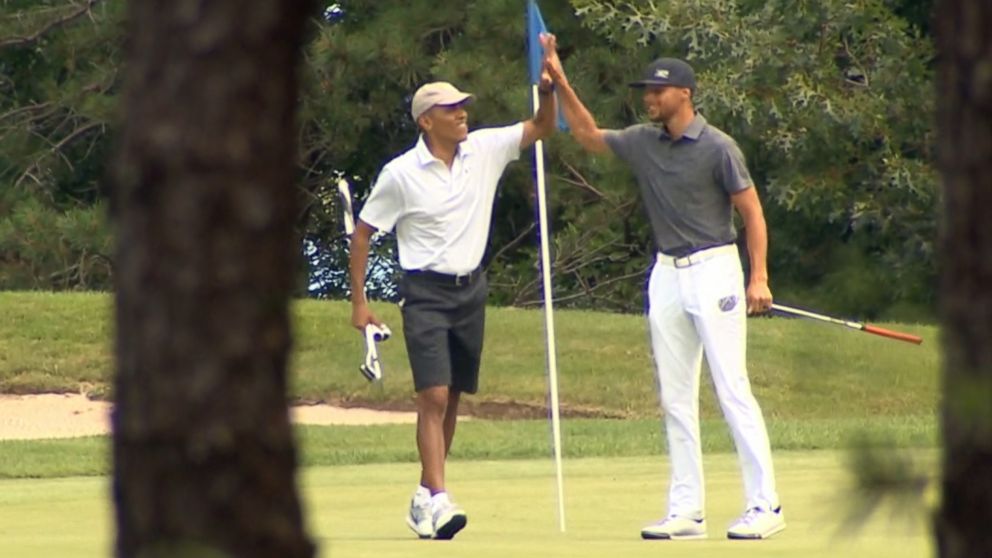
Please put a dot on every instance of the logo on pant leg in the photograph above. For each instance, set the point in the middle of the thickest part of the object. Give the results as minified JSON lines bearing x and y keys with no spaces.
{"x":728,"y":303}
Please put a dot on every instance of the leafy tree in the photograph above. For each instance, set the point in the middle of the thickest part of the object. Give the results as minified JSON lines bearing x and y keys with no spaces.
{"x":831,"y":105}
{"x":59,"y":75}
{"x":204,"y":205}
{"x":918,"y":13}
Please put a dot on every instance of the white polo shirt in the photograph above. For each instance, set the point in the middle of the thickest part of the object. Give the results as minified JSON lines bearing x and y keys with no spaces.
{"x":442,"y":215}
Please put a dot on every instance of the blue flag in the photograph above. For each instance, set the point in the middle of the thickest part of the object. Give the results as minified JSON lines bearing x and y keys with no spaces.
{"x":535,"y":53}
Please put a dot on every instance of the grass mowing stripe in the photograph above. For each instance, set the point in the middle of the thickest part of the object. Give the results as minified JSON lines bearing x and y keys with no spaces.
{"x":492,"y":440}
{"x":54,"y":458}
{"x":357,"y":511}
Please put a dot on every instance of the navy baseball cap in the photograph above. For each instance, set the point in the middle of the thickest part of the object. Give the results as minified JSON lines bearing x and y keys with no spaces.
{"x":668,"y":71}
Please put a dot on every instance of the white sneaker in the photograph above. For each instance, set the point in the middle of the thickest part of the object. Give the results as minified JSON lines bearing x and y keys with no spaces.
{"x":675,"y":527}
{"x":420,"y":519}
{"x":757,"y":523}
{"x":449,"y":518}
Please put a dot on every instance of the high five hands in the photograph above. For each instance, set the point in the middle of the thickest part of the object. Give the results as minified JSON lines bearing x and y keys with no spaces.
{"x":552,"y":64}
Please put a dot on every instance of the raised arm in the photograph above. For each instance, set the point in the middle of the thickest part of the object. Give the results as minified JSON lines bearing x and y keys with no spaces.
{"x":543,"y":123}
{"x":759,"y":295}
{"x":580,"y":120}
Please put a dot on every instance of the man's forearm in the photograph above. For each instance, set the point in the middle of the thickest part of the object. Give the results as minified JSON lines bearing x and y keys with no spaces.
{"x":580,"y":120}
{"x":757,"y":246}
{"x":547,"y":111}
{"x":578,"y":117}
{"x":357,"y":266}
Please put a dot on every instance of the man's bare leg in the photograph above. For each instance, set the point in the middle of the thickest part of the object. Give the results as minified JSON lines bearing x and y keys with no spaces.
{"x":432,"y":438}
{"x":451,"y":419}
{"x":436,"y":417}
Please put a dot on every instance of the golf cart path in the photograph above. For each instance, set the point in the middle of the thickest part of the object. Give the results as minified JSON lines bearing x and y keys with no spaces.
{"x":43,"y":416}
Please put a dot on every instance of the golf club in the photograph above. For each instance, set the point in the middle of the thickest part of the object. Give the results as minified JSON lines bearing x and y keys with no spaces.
{"x":372,"y":368}
{"x":867,"y":328}
{"x":344,"y":192}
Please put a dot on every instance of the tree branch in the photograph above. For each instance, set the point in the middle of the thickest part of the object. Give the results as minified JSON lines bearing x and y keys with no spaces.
{"x":586,"y":291}
{"x":28,"y":39}
{"x":513,"y":243}
{"x":858,"y":65}
{"x":56,"y":149}
{"x":581,"y":182}
{"x":19,"y":110}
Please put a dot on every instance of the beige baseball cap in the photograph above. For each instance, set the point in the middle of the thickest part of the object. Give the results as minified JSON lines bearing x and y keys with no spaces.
{"x":433,"y":94}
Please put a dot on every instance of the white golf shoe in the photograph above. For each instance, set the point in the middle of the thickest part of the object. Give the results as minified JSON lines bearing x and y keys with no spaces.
{"x":675,"y":527}
{"x":449,"y":518}
{"x":420,"y":519}
{"x":757,"y":523}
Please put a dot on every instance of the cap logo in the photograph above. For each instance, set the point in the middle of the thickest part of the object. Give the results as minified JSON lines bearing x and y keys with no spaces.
{"x":661,"y":73}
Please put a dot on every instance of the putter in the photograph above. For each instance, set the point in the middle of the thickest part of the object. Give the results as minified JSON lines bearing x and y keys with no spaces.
{"x":372,"y":368}
{"x":344,"y":192}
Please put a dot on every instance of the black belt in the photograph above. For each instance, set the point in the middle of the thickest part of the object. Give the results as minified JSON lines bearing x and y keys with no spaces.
{"x":457,"y":280}
{"x":683,"y":251}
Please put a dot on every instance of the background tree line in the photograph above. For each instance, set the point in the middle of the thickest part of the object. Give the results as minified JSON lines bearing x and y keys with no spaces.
{"x":831,"y":103}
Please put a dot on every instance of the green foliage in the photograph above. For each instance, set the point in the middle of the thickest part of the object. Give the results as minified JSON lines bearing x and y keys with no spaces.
{"x":59,"y":72}
{"x":885,"y":474}
{"x":831,"y":103}
{"x":44,"y":248}
{"x":829,"y":100}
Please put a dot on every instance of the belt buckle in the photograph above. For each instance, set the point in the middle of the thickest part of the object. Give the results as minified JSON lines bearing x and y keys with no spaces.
{"x":684,"y":261}
{"x":461,"y":280}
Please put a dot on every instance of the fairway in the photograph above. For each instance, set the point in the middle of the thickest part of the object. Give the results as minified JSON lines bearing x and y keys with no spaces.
{"x":357,"y":511}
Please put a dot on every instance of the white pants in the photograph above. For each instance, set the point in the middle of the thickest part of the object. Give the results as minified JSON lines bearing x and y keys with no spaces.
{"x":696,"y":305}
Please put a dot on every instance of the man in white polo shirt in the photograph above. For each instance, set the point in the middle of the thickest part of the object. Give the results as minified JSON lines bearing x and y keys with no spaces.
{"x":439,"y":197}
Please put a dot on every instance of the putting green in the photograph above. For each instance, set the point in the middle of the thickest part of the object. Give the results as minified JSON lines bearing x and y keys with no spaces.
{"x":357,"y":511}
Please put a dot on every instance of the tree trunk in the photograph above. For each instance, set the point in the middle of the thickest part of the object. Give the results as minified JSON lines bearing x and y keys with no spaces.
{"x":965,"y":152}
{"x":204,"y":459}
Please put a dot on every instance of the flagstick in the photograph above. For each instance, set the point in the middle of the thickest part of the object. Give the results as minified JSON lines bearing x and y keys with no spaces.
{"x":549,"y":323}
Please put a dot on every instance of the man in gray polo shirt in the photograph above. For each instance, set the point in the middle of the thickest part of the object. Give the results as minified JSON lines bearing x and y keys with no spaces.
{"x":438,"y":197}
{"x":692,"y":176}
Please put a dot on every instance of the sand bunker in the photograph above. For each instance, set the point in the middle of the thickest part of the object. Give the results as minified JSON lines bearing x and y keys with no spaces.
{"x":27,"y":417}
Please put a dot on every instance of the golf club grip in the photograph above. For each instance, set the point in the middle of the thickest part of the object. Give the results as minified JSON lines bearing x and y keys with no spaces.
{"x":908,"y":337}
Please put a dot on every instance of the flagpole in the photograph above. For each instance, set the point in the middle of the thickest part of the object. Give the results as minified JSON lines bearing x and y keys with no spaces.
{"x":549,"y":323}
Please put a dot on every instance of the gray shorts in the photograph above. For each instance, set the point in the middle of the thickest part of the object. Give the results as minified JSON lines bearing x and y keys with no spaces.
{"x":443,"y":323}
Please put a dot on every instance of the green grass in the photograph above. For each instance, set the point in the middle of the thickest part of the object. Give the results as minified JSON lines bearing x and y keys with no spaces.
{"x":54,"y":342}
{"x":357,"y":512}
{"x":821,"y":388}
{"x":799,"y":369}
{"x":490,"y":440}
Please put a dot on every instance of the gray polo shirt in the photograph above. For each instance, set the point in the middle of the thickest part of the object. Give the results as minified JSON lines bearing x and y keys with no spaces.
{"x":685,"y":184}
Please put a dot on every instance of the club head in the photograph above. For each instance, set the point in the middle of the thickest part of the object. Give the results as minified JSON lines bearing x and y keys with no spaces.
{"x":372,"y":369}
{"x":369,"y":374}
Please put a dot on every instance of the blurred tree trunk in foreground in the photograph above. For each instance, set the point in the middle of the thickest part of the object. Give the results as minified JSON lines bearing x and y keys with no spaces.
{"x":204,"y":204}
{"x":965,"y":142}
